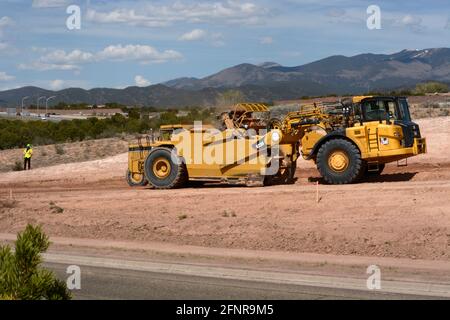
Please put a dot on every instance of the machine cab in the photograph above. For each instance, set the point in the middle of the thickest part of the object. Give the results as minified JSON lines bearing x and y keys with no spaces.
{"x":391,"y":111}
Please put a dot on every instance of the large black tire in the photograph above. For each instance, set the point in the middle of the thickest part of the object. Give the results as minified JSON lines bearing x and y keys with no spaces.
{"x":173,"y":176}
{"x":339,"y":162}
{"x":135,"y":180}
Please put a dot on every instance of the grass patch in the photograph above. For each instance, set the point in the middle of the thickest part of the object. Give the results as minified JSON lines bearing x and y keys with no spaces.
{"x":18,"y":166}
{"x":54,"y":208}
{"x":59,"y":149}
{"x":8,"y":203}
{"x":227,"y":214}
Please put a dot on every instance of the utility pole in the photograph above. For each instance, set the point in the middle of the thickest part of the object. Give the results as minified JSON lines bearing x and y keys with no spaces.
{"x":39,"y":99}
{"x":23,"y":99}
{"x":46,"y":105}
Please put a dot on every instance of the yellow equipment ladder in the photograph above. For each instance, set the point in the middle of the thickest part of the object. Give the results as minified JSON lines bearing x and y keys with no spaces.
{"x":373,"y":140}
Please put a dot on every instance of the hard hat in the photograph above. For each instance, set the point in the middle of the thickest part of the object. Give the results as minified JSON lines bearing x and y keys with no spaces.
{"x":28,"y":145}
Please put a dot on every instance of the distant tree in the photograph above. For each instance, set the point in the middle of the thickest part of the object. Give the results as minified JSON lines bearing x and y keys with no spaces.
{"x":169,"y":117}
{"x":431,"y":87}
{"x":133,"y":113}
{"x":21,"y":277}
{"x":114,"y":105}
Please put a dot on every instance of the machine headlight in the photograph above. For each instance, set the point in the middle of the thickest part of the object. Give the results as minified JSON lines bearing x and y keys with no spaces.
{"x":275,"y":136}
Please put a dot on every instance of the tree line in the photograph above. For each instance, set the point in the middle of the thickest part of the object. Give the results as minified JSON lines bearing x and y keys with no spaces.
{"x":17,"y":133}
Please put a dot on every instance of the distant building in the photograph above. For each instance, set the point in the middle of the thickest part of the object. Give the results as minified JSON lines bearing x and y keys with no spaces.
{"x":182,"y":113}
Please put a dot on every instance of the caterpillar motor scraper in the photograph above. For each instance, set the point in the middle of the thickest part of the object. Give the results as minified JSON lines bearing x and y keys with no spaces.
{"x":347,"y":140}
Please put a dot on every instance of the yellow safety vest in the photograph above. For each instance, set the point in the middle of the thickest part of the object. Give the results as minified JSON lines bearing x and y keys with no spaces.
{"x":27,"y":153}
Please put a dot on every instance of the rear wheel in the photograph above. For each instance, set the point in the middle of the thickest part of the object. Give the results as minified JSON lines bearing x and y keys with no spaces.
{"x":162,"y":172}
{"x":136,"y":179}
{"x":339,"y":162}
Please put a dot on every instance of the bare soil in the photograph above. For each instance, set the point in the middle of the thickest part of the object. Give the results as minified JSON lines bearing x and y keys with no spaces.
{"x":405,"y":212}
{"x":50,"y":155}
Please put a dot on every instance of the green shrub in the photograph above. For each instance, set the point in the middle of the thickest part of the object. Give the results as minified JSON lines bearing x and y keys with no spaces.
{"x":18,"y":166}
{"x":431,"y":87}
{"x":21,"y":277}
{"x":59,"y":149}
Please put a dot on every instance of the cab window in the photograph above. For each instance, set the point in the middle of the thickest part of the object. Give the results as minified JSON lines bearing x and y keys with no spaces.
{"x":375,"y":110}
{"x":404,"y":110}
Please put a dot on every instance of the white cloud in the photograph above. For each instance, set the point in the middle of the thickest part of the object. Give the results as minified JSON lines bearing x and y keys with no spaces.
{"x":127,"y":16}
{"x":266,"y":40}
{"x":49,"y":3}
{"x":57,"y":84}
{"x":142,"y":53}
{"x":62,"y":60}
{"x":196,"y":34}
{"x":5,"y":77}
{"x":74,"y":57}
{"x":214,"y":39}
{"x":410,"y":20}
{"x":414,"y":23}
{"x":6,"y":22}
{"x":41,"y":66}
{"x":231,"y":11}
{"x":140,"y":81}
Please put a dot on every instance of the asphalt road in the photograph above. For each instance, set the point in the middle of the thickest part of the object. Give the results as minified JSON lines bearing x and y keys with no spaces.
{"x":109,"y":283}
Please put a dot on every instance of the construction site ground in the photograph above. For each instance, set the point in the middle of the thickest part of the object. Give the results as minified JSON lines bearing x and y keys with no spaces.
{"x":404,"y":213}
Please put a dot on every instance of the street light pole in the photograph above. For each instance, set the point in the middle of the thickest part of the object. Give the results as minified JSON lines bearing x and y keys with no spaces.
{"x":39,"y":99}
{"x":23,"y":99}
{"x":46,"y":104}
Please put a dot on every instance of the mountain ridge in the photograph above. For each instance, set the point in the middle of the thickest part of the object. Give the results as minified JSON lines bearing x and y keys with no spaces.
{"x":268,"y":81}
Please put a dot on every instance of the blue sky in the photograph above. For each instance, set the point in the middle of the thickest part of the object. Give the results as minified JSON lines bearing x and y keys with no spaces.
{"x":124,"y":43}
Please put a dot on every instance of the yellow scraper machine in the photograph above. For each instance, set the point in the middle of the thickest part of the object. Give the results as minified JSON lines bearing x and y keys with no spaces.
{"x":346,"y":139}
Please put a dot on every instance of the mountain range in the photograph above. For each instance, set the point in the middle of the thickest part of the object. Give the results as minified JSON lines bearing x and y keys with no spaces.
{"x":270,"y":81}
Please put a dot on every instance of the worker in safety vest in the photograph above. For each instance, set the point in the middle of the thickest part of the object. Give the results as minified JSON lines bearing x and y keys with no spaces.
{"x":27,"y":154}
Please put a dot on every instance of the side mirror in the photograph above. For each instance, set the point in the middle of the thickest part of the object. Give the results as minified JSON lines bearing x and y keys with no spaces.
{"x":388,"y":117}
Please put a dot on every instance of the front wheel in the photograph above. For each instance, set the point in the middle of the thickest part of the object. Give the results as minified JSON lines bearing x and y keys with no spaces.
{"x":339,"y":162}
{"x":136,"y":179}
{"x":163,"y":172}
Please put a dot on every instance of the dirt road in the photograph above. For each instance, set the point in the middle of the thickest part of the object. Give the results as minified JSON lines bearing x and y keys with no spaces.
{"x":403,"y":213}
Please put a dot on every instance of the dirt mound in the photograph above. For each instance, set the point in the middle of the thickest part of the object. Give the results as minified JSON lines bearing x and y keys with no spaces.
{"x":50,"y":155}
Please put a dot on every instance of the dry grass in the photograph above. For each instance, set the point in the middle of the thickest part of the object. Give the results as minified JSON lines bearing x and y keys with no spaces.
{"x":55,"y":208}
{"x":8,"y":203}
